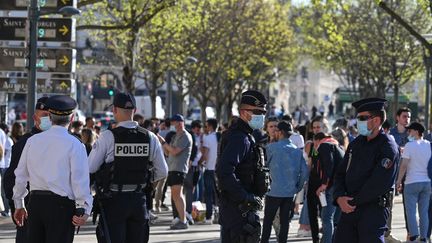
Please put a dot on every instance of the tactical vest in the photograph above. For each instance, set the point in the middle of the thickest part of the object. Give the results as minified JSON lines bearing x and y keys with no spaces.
{"x":252,"y":172}
{"x":131,"y":165}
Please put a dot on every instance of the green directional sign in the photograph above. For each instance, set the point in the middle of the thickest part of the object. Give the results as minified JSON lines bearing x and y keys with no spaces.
{"x":43,"y":4}
{"x":43,"y":86}
{"x":49,"y":60}
{"x":54,"y":29}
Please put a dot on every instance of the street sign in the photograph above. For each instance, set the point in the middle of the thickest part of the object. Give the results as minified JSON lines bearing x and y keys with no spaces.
{"x":49,"y":60}
{"x":53,"y":29}
{"x":50,"y":5}
{"x":45,"y":86}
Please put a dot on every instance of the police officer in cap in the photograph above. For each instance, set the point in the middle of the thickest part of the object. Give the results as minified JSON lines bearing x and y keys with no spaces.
{"x":364,"y":180}
{"x":239,"y":181}
{"x":125,"y":158}
{"x":55,"y":164}
{"x":42,"y":122}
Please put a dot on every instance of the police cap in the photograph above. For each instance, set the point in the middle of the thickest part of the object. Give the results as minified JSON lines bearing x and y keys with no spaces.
{"x":370,"y":104}
{"x":124,"y":101}
{"x":61,"y":105}
{"x":253,"y":98}
{"x":416,"y":126}
{"x":41,"y":104}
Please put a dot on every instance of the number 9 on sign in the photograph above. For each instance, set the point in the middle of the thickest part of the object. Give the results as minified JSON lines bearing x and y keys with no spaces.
{"x":41,"y":33}
{"x":42,"y":3}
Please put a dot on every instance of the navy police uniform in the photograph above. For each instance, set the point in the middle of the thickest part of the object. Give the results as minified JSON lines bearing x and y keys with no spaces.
{"x":127,"y":159}
{"x":235,"y":169}
{"x":9,"y":178}
{"x":367,"y":174}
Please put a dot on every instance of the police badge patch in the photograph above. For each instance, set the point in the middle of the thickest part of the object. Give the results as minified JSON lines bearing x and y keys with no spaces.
{"x":386,"y":163}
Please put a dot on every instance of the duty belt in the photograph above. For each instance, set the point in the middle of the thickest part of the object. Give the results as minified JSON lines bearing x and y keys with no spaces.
{"x":127,"y":187}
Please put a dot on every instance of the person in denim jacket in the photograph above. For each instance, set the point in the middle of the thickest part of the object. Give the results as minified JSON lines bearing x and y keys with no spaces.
{"x":289,"y":172}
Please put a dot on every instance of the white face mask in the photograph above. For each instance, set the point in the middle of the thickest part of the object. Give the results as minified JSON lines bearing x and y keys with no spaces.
{"x":172,"y":128}
{"x":45,"y":123}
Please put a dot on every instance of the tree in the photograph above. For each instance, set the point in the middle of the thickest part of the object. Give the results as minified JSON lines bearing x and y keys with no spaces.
{"x":121,"y":21}
{"x":362,"y":44}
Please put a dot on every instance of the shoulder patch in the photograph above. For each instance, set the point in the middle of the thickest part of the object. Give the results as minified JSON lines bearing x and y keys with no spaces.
{"x":386,"y":163}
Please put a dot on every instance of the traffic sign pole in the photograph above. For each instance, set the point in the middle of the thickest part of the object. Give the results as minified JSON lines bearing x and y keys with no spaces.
{"x":31,"y":85}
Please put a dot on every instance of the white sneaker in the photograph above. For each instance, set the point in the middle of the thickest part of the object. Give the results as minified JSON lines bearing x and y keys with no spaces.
{"x":190,"y":219}
{"x":175,"y":221}
{"x":206,"y":222}
{"x":304,"y":233}
{"x":392,"y":239}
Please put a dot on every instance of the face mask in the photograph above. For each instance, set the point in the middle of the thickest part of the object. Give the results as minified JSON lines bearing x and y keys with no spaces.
{"x":411,"y":138}
{"x":363,"y":129}
{"x":257,"y":122}
{"x":45,"y":123}
{"x":172,"y":128}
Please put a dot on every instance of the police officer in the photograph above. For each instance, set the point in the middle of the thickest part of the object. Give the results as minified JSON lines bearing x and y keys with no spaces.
{"x":240,"y":184}
{"x":124,"y":157}
{"x":55,"y":164}
{"x":42,"y":122}
{"x":363,"y":182}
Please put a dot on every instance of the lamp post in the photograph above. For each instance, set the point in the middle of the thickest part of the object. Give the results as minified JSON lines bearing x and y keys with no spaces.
{"x":34,"y":15}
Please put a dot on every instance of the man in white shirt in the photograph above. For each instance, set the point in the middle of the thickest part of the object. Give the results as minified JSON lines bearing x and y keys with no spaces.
{"x":209,"y":151}
{"x":55,"y":164}
{"x":417,"y":187}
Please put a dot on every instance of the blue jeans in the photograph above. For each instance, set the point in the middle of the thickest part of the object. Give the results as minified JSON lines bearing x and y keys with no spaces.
{"x":417,"y":193}
{"x":304,"y":214}
{"x":327,"y":216}
{"x":209,"y":183}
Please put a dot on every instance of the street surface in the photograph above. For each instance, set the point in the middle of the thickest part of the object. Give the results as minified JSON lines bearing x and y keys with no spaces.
{"x":196,"y":233}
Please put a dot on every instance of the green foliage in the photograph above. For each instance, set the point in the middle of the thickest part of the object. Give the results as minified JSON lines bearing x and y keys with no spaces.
{"x":363,"y":44}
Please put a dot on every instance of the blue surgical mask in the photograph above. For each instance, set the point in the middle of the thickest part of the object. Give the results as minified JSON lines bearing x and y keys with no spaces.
{"x":363,"y":128}
{"x":45,"y":123}
{"x":257,"y":122}
{"x":411,"y":138}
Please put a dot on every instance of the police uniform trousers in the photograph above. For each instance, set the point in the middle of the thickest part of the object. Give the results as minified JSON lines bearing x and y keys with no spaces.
{"x":233,"y":222}
{"x":50,"y":218}
{"x":127,"y":218}
{"x":367,"y":224}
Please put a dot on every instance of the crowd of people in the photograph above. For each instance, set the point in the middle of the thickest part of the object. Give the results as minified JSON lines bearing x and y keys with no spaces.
{"x":303,"y":161}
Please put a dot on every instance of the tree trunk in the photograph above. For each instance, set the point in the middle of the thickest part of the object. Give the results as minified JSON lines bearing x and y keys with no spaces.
{"x":129,"y":64}
{"x":203,"y":106}
{"x":395,"y":97}
{"x":218,"y":111}
{"x":153,"y":94}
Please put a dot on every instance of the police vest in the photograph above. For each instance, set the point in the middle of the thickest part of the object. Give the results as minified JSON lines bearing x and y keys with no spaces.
{"x":131,"y":156}
{"x":252,"y":172}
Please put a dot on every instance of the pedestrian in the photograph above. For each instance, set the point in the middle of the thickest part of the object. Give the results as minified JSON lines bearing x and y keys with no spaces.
{"x":239,"y":174}
{"x":329,"y":155}
{"x":41,"y":121}
{"x":75,"y":128}
{"x":270,"y":128}
{"x":88,"y":138}
{"x":400,"y":135}
{"x":4,"y":165}
{"x":127,"y":159}
{"x":318,"y":124}
{"x":54,"y":163}
{"x":289,"y":173}
{"x":417,"y":189}
{"x":179,"y":151}
{"x":209,"y":155}
{"x":363,"y":182}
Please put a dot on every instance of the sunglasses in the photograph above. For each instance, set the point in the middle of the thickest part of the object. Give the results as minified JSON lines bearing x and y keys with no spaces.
{"x":364,"y":118}
{"x":256,"y":112}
